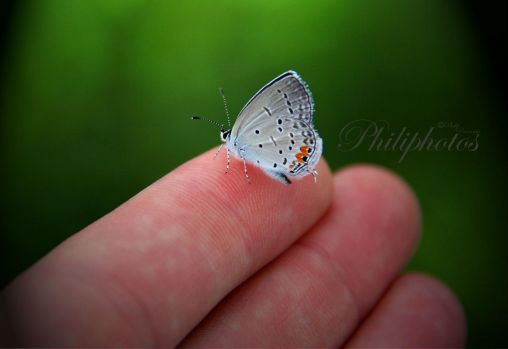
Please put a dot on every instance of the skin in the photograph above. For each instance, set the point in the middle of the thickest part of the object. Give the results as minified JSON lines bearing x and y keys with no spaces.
{"x":203,"y":259}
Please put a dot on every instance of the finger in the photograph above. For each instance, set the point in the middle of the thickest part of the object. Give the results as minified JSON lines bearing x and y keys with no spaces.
{"x":417,"y":311}
{"x":146,"y":273}
{"x":318,"y":291}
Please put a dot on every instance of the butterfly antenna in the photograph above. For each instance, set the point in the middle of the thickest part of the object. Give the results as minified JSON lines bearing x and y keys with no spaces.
{"x":210,"y":121}
{"x":225,"y":105}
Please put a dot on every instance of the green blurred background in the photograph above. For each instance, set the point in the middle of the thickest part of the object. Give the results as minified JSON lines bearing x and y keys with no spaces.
{"x":96,"y":98}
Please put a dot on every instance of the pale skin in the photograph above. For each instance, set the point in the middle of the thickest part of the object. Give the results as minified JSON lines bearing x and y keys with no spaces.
{"x":203,"y":259}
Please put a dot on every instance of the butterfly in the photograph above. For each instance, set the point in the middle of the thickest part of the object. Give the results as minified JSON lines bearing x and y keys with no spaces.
{"x":274,"y":130}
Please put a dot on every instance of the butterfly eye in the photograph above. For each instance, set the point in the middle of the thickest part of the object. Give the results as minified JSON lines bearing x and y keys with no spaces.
{"x":224,"y":135}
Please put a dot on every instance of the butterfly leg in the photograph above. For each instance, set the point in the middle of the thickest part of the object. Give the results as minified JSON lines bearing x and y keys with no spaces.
{"x":245,"y":168}
{"x":218,"y":151}
{"x":245,"y":171}
{"x":314,"y":174}
{"x":228,"y":159}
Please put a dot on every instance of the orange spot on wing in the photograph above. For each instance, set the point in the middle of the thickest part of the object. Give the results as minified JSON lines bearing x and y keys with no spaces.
{"x":305,"y":149}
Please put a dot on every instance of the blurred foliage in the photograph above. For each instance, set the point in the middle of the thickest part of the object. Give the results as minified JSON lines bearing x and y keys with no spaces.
{"x":97,"y":95}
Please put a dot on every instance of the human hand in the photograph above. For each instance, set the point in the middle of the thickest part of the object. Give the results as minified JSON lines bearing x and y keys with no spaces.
{"x":201,"y":258}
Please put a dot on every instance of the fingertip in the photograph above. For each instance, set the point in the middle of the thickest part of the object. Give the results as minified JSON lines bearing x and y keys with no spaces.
{"x":447,"y":321}
{"x":383,"y":197}
{"x":416,"y":311}
{"x":207,"y":172}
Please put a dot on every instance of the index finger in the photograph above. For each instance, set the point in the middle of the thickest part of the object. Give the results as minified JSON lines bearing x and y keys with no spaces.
{"x":148,"y":272}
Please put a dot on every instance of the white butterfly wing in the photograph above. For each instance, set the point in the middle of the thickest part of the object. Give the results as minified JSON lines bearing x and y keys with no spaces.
{"x":286,"y":95}
{"x":290,"y":149}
